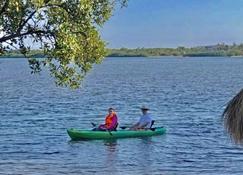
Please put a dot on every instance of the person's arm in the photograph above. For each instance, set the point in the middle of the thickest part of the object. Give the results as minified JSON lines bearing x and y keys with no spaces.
{"x":134,"y":127}
{"x":102,"y":126}
{"x":144,"y":125}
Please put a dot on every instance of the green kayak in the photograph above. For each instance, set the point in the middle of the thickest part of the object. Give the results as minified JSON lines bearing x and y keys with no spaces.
{"x":77,"y":134}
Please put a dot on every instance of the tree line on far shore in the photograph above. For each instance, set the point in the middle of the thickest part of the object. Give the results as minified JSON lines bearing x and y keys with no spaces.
{"x":200,"y":51}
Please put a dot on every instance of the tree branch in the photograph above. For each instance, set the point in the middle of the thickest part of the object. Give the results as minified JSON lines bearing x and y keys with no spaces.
{"x":30,"y":32}
{"x":26,"y":20}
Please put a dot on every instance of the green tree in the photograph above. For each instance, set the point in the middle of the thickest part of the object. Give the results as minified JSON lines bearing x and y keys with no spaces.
{"x":65,"y":30}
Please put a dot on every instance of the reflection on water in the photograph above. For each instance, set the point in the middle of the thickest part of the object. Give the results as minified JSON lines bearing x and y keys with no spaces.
{"x":110,"y":156}
{"x":187,"y":96}
{"x":111,"y":144}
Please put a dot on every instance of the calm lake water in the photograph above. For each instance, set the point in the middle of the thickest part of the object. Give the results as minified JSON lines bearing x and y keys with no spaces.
{"x":186,"y":95}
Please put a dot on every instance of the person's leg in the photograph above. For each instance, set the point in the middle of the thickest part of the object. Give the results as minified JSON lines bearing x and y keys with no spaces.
{"x":100,"y":128}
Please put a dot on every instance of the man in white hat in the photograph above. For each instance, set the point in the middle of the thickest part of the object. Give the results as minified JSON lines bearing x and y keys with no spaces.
{"x":144,"y":121}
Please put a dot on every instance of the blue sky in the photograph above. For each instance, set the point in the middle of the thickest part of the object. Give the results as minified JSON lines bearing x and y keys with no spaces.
{"x":173,"y":23}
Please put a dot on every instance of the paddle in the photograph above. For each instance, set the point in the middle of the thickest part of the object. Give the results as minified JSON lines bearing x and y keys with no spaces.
{"x":124,"y":127}
{"x":93,"y":124}
{"x":152,"y":129}
{"x":109,"y":132}
{"x":152,"y":123}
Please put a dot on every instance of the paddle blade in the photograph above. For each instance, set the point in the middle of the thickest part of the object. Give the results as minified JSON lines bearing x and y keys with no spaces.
{"x":93,"y":124}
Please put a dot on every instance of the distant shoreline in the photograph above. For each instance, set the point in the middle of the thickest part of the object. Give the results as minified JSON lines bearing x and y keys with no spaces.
{"x":127,"y":56}
{"x":219,"y":50}
{"x":181,"y":56}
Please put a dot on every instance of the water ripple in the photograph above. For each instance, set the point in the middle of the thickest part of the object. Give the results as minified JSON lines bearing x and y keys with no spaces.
{"x":187,"y":96}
